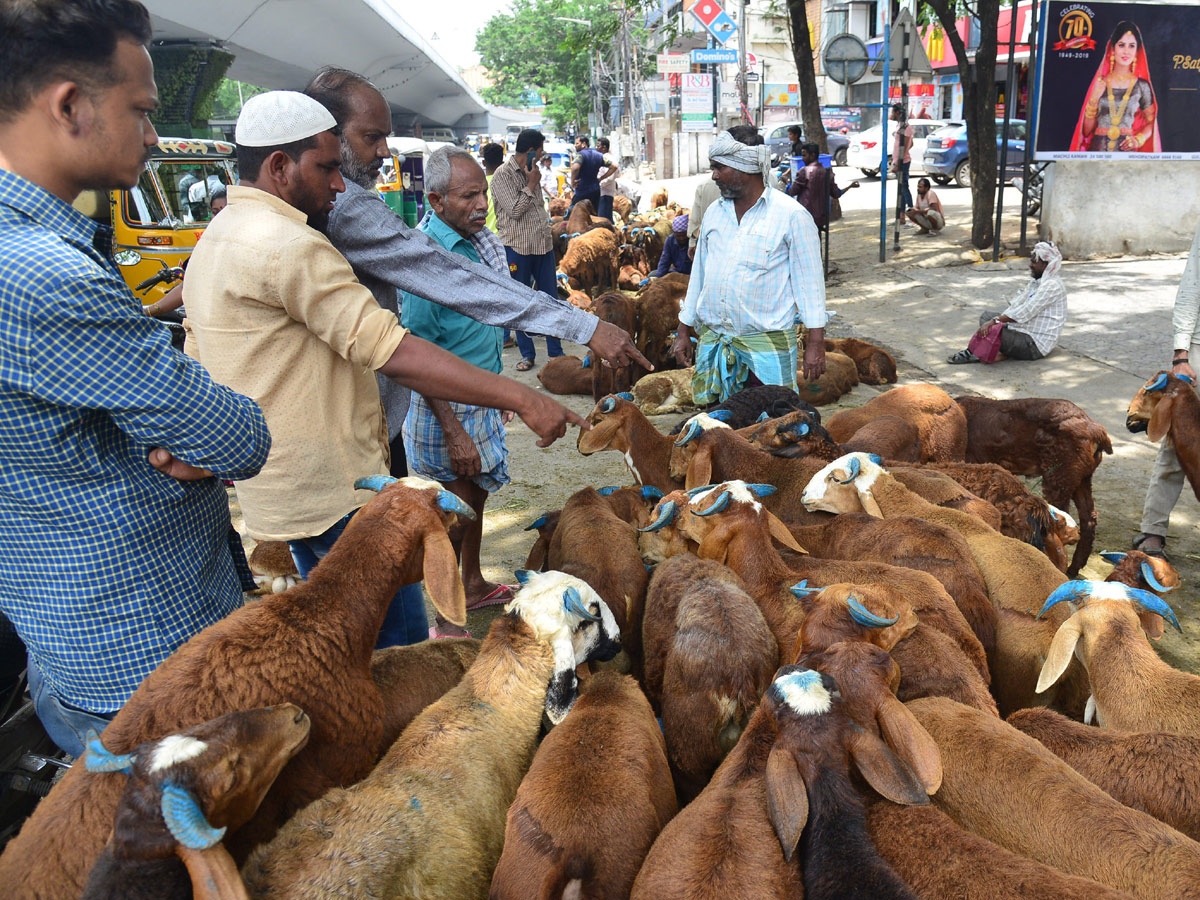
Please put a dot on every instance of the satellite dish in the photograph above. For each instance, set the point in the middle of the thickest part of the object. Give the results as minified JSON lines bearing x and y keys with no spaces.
{"x":846,"y":59}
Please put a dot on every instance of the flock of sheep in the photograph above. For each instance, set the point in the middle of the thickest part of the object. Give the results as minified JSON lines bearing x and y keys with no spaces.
{"x":835,"y":658}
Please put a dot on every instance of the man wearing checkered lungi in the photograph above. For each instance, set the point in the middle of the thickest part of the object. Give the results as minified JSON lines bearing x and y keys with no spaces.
{"x":460,"y":445}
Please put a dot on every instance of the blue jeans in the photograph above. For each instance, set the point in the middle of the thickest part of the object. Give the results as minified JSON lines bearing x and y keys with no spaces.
{"x":539,"y":272}
{"x":67,"y":725}
{"x":405,"y":622}
{"x":593,"y":195}
{"x":906,"y":199}
{"x":606,"y":207}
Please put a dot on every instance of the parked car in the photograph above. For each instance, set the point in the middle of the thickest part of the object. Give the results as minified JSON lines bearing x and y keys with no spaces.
{"x":945,"y":154}
{"x":864,"y":152}
{"x":781,"y":146}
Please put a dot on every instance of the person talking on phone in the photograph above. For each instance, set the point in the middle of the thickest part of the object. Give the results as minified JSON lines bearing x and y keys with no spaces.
{"x":525,"y":230}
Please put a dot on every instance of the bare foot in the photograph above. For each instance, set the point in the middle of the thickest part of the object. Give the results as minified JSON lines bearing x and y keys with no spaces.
{"x":448,"y":629}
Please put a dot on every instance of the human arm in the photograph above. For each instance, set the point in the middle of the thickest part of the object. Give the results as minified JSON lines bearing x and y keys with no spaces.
{"x":1048,"y":290}
{"x":464,"y":455}
{"x":511,"y":192}
{"x":814,"y":354}
{"x":1091,"y":109}
{"x":574,"y":175}
{"x":934,"y":202}
{"x":806,"y":277}
{"x":169,"y":302}
{"x":664,"y":261}
{"x":1187,"y":305}
{"x":610,"y":173}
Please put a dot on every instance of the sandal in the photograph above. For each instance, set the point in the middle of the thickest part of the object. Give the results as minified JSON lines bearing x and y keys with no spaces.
{"x":525,"y":364}
{"x":962,"y":356}
{"x":502,"y":593}
{"x":1159,"y":552}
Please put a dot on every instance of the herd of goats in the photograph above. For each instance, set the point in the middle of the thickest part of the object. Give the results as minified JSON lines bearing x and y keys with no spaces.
{"x":838,"y":658}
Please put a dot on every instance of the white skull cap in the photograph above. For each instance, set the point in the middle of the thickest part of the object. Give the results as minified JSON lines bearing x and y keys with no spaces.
{"x":281,"y":117}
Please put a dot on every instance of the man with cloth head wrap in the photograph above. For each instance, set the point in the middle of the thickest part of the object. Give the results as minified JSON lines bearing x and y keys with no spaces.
{"x":757,"y":273}
{"x":1035,"y":317}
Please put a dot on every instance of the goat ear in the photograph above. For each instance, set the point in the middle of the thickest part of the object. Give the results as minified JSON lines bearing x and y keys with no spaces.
{"x":780,"y":532}
{"x":869,"y":505}
{"x":787,"y":800}
{"x":909,"y":740}
{"x":1160,"y":419}
{"x":1152,"y":624}
{"x":715,"y":545}
{"x":442,"y":579}
{"x":599,"y":437}
{"x":699,"y":471}
{"x":1058,"y":657}
{"x":889,"y":776}
{"x":213,"y":873}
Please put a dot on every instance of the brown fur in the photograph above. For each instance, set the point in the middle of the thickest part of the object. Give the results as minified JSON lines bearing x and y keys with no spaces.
{"x":659,"y":198}
{"x":875,"y":365}
{"x":660,"y":301}
{"x":590,"y":261}
{"x":559,"y":205}
{"x":1008,"y":788}
{"x":310,"y":645}
{"x":598,"y":790}
{"x":629,"y":277}
{"x":566,"y":375}
{"x":620,"y":310}
{"x":272,"y":558}
{"x":1155,"y":772}
{"x":627,"y":431}
{"x":941,"y":424}
{"x":411,"y":677}
{"x":888,"y":436}
{"x":622,"y":206}
{"x":1051,"y":438}
{"x":840,"y":377}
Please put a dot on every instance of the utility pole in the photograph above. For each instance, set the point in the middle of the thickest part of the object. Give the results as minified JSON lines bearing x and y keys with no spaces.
{"x":630,"y":106}
{"x":743,"y":88}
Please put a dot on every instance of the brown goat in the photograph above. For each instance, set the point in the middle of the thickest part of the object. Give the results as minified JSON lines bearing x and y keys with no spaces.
{"x":664,"y":392}
{"x":310,"y":645}
{"x":594,"y":799}
{"x":1051,"y":438}
{"x":223,"y":767}
{"x":839,"y":378}
{"x":659,"y":198}
{"x":875,"y":365}
{"x":566,"y":375}
{"x":273,"y":568}
{"x":1167,"y":408}
{"x":620,"y":310}
{"x":622,"y":206}
{"x":617,"y":424}
{"x":1008,"y":788}
{"x":888,"y":436}
{"x":629,"y":278}
{"x":591,"y":261}
{"x":411,"y":677}
{"x":1136,"y":569}
{"x":939,"y":421}
{"x":558,"y":206}
{"x":710,"y":656}
{"x":660,"y":301}
{"x":1153,"y":771}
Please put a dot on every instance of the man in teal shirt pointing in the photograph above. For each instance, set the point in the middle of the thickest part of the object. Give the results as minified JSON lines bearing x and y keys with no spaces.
{"x":460,"y":445}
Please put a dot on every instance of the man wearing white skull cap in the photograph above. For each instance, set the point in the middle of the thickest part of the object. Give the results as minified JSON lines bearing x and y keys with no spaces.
{"x":757,"y":273}
{"x":277,"y":314}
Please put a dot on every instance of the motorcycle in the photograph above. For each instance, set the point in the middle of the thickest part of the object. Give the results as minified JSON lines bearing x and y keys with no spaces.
{"x":168,"y":275}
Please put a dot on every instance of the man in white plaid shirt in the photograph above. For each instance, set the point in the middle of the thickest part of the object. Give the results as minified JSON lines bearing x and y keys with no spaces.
{"x":757,"y":272}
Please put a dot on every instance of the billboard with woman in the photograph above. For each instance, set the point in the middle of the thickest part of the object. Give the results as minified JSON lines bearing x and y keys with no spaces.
{"x":1119,"y":81}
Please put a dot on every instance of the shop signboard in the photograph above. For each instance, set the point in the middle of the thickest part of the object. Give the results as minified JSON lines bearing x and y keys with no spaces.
{"x":696,"y":101}
{"x":673,"y":63}
{"x":781,"y":94}
{"x":1119,"y":81}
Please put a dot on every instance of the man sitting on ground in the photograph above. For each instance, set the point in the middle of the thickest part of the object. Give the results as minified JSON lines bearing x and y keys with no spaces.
{"x":1035,"y":318}
{"x":459,"y":444}
{"x":675,"y":250}
{"x":927,"y":214}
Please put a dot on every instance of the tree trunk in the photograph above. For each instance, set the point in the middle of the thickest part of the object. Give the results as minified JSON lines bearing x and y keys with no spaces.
{"x":806,"y":74}
{"x":979,"y":108}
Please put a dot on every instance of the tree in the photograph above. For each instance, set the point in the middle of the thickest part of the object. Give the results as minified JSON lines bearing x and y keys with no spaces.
{"x":530,"y":48}
{"x":979,"y":101}
{"x":230,"y":95}
{"x":806,"y":74}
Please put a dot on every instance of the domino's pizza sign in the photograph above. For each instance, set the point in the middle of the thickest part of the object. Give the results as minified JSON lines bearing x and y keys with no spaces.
{"x":713,"y":17}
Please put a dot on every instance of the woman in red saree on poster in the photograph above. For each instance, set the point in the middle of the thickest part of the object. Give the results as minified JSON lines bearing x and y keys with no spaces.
{"x":1120,"y":114}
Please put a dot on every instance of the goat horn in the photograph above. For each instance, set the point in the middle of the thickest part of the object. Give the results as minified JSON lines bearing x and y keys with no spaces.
{"x":573,"y":603}
{"x":587,"y":363}
{"x":649,"y":492}
{"x":576,"y":234}
{"x":718,"y":505}
{"x":186,"y":820}
{"x":536,"y":523}
{"x":761,"y":490}
{"x":1066,"y":593}
{"x":1111,"y":556}
{"x":100,"y":759}
{"x":1155,"y":604}
{"x":374,"y":482}
{"x":1158,"y":383}
{"x":1148,"y":574}
{"x":721,"y":415}
{"x":666,"y":515}
{"x":800,"y":428}
{"x":875,"y":458}
{"x":865,"y":617}
{"x":852,"y":468}
{"x":1187,"y":378}
{"x":762,"y":417}
{"x":523,"y":575}
{"x":607,"y":405}
{"x":802,"y":589}
{"x":689,"y":433}
{"x":605,"y":491}
{"x":625,"y":395}
{"x":453,"y":503}
{"x":692,"y":492}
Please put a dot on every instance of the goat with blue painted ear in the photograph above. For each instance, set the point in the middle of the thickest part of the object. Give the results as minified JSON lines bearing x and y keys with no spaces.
{"x":617,"y":424}
{"x":780,"y":817}
{"x":1147,"y":573}
{"x":1133,"y":689}
{"x":183,"y":794}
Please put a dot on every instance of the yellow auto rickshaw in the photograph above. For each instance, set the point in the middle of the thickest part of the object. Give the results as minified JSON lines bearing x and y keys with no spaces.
{"x":157,"y":222}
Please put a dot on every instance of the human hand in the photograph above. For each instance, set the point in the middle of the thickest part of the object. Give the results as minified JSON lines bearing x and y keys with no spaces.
{"x":179,"y":470}
{"x":548,"y":418}
{"x":615,"y":347}
{"x":1183,"y":368}
{"x":507,"y":416}
{"x":534,"y":178}
{"x":814,"y":358}
{"x":682,"y":348}
{"x":464,"y":455}
{"x":692,"y":253}
{"x":854,"y":184}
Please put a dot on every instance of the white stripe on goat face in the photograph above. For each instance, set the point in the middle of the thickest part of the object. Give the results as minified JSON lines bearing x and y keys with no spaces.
{"x":173,"y":749}
{"x":804,"y":693}
{"x":737,"y":491}
{"x":707,"y":422}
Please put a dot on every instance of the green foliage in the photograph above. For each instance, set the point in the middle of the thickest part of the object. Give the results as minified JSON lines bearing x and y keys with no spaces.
{"x":529,"y":49}
{"x":187,"y":76}
{"x":229,"y":97}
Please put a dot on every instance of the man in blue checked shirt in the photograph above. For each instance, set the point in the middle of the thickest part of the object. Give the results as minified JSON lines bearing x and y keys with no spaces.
{"x":115,"y":539}
{"x":757,"y":271}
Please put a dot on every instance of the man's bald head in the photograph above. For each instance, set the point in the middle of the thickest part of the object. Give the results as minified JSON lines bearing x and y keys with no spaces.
{"x":364,"y":117}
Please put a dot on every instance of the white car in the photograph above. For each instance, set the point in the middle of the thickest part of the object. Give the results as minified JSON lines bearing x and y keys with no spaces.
{"x":864,"y":152}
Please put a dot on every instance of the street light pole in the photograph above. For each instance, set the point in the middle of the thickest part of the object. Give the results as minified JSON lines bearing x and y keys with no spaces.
{"x":743,"y":88}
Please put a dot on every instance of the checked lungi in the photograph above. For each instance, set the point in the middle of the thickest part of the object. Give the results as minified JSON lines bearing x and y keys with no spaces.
{"x":724,"y":362}
{"x":428,"y":455}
